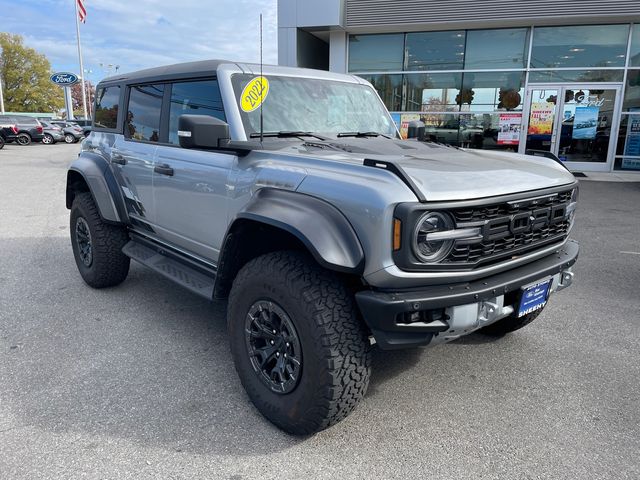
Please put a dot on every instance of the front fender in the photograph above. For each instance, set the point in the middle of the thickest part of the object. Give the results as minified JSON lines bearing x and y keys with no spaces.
{"x":99,"y":178}
{"x":320,"y":226}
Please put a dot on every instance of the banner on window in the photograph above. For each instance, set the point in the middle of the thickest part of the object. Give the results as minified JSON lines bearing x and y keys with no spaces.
{"x":632,"y":144}
{"x":585,"y":123}
{"x":509,"y":128}
{"x":541,"y":118}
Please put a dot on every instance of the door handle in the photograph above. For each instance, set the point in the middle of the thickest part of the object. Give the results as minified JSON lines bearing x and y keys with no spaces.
{"x":163,"y":169}
{"x":119,"y":159}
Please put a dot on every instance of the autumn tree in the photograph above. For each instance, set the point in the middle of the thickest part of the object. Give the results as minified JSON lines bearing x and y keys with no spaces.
{"x":25,"y":78}
{"x":76,"y":95}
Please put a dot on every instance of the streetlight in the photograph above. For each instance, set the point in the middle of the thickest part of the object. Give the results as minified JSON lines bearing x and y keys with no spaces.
{"x":88,"y":71}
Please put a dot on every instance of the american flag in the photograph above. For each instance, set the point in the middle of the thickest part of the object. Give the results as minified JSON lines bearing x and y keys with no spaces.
{"x":82,"y":12}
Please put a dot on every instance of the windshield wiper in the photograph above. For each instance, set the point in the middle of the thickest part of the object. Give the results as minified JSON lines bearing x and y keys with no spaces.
{"x":287,"y":134}
{"x":362,"y":134}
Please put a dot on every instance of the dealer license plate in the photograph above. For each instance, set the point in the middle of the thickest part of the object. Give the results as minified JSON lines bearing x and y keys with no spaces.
{"x":534,"y":297}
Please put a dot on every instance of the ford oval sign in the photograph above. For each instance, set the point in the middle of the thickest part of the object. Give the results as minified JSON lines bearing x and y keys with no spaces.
{"x":64,"y":79}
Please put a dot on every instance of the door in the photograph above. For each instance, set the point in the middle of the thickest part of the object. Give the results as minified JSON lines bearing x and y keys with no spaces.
{"x":191,"y":186}
{"x":574,"y":122}
{"x":132,"y":156}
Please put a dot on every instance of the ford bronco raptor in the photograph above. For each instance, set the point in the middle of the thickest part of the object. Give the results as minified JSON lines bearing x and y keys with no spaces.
{"x":289,"y":193}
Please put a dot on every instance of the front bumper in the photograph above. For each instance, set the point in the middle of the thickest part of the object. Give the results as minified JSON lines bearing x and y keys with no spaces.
{"x":446,"y":312}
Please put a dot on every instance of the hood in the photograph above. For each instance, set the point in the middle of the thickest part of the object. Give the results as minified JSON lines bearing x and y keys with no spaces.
{"x":447,"y":173}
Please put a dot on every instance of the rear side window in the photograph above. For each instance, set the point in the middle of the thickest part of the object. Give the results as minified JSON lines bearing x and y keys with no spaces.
{"x":143,"y":112}
{"x":193,"y":98}
{"x":28,"y":120}
{"x":107,"y":100}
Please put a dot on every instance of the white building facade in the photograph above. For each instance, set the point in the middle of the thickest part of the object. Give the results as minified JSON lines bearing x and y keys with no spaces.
{"x":534,"y":76}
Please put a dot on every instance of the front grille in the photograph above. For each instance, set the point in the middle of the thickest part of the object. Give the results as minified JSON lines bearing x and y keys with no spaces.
{"x":488,"y":251}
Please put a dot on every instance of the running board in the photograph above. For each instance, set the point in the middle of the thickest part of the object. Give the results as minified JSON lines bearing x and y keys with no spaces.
{"x":182,"y":274}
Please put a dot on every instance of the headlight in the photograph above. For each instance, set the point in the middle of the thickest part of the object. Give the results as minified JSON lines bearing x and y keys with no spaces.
{"x":427,"y":246}
{"x":571,"y":208}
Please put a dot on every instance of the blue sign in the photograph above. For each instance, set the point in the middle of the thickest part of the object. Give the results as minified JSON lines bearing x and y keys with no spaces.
{"x":585,"y":123}
{"x":534,"y":298}
{"x":64,"y":79}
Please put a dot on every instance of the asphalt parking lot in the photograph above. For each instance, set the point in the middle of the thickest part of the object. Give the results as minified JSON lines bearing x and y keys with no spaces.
{"x":137,"y":381}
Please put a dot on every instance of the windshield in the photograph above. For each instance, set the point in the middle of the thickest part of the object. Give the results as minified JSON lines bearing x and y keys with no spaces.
{"x":309,"y":105}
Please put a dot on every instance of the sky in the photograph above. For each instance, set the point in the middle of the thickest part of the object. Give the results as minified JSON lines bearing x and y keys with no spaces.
{"x":137,"y":34}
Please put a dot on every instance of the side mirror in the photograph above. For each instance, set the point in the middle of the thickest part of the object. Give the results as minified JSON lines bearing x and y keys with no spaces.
{"x":202,"y":131}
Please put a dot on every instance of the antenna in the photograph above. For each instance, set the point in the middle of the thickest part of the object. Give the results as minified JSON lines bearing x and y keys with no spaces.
{"x":261,"y":82}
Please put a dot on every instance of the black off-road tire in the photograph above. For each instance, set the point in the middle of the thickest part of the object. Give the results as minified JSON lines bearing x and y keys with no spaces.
{"x":335,"y":349}
{"x":108,"y":266}
{"x":510,"y":324}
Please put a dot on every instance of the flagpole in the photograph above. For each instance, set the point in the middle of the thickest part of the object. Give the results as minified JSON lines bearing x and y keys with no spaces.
{"x":84,"y":97}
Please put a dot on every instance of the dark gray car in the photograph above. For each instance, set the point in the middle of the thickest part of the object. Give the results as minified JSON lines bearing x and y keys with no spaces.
{"x":288,"y":193}
{"x":73,"y":133}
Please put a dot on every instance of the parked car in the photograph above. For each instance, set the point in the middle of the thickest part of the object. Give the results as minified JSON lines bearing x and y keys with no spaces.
{"x":72,"y":132}
{"x":8,"y":131}
{"x":325,"y":232}
{"x":85,"y":124}
{"x":52,"y":133}
{"x":29,"y":128}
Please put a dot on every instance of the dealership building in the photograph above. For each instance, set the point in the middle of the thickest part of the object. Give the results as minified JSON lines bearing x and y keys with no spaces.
{"x":535,"y":75}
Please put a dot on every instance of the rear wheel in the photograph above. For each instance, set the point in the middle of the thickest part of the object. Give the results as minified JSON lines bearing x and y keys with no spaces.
{"x":97,"y":246}
{"x":48,"y":139}
{"x":300,"y":349}
{"x":510,"y":324}
{"x":23,"y":139}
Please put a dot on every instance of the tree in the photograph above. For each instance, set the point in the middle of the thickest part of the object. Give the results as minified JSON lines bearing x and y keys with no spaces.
{"x":25,"y":78}
{"x":76,"y":96}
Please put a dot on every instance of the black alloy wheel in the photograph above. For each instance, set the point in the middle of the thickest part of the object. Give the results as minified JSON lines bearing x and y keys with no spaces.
{"x":273,"y":346}
{"x":23,"y":139}
{"x":83,"y":240}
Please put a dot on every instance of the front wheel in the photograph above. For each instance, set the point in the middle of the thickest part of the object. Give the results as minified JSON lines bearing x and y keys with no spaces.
{"x":48,"y":139}
{"x":1,"y":142}
{"x":68,"y":138}
{"x":299,"y":347}
{"x":97,"y":246}
{"x":23,"y":139}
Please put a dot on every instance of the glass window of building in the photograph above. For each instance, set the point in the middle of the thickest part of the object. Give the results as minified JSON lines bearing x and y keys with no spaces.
{"x":389,"y":87}
{"x":579,"y":46}
{"x":435,"y":50}
{"x":628,"y":145}
{"x":376,"y":53}
{"x":433,"y":92}
{"x":634,"y":54}
{"x":632,"y":92}
{"x":491,"y":91}
{"x":194,"y":98}
{"x":582,"y":76}
{"x":143,"y":112}
{"x":505,"y":48}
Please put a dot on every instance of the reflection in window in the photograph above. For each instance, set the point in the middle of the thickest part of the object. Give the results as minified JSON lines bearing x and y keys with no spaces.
{"x":491,"y":91}
{"x":554,"y":76}
{"x":504,"y":48}
{"x":634,"y":54}
{"x":389,"y":88}
{"x":435,"y":50}
{"x":194,"y":98}
{"x":628,"y":146}
{"x":632,"y":92}
{"x":376,"y":53}
{"x":493,"y":131}
{"x":106,"y":110}
{"x":433,"y":92}
{"x":143,"y":114}
{"x":579,"y":46}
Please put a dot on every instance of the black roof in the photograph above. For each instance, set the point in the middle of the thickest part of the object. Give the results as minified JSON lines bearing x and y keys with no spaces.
{"x":179,"y":70}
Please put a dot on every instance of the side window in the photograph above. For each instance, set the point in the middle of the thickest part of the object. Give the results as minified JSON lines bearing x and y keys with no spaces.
{"x":106,"y":111}
{"x":143,"y":112}
{"x":194,"y":98}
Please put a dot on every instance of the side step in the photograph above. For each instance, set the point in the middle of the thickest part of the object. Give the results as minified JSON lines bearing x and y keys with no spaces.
{"x":182,"y":274}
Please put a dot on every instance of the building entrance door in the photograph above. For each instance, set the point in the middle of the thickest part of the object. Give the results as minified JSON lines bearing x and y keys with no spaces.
{"x":578,"y":123}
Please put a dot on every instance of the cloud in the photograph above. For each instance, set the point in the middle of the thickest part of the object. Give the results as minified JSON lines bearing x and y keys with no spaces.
{"x":144,"y":33}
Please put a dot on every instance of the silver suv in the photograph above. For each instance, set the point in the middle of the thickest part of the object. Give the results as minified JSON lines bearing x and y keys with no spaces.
{"x":289,"y":193}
